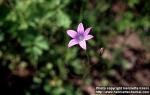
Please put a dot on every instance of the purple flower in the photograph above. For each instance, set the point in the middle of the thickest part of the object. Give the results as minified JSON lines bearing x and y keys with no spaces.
{"x":80,"y":37}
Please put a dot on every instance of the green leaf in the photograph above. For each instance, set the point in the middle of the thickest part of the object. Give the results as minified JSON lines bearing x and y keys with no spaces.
{"x":23,"y":25}
{"x":58,"y":91}
{"x":132,"y":3}
{"x":40,"y":42}
{"x":63,"y":19}
{"x":37,"y":80}
{"x":49,"y":66}
{"x":34,"y":51}
{"x":47,"y":88}
{"x":54,"y":3}
{"x":27,"y":41}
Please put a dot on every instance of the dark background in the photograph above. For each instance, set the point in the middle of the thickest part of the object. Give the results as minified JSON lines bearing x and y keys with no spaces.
{"x":35,"y":60}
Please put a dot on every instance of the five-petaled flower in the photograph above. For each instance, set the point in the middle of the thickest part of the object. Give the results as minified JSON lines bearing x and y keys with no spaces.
{"x":80,"y":37}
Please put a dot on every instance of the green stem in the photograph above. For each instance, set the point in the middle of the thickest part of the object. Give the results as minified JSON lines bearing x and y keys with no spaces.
{"x":88,"y":66}
{"x":84,"y":3}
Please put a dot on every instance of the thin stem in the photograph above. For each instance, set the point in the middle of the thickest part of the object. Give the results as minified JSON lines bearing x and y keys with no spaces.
{"x":88,"y":66}
{"x":84,"y":3}
{"x":87,"y":57}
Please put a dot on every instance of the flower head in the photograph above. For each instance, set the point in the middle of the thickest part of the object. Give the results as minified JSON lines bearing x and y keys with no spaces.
{"x":79,"y":37}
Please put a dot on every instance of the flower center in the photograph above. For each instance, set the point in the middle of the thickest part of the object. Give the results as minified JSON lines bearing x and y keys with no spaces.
{"x":80,"y":37}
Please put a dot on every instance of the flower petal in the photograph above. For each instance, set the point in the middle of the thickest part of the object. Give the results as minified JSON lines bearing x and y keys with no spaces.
{"x":87,"y":31}
{"x":71,"y":33}
{"x":83,"y":44}
{"x":88,"y":37}
{"x":80,"y":28}
{"x":72,"y":42}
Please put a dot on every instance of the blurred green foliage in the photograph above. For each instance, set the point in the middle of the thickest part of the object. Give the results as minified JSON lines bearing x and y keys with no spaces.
{"x":35,"y":32}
